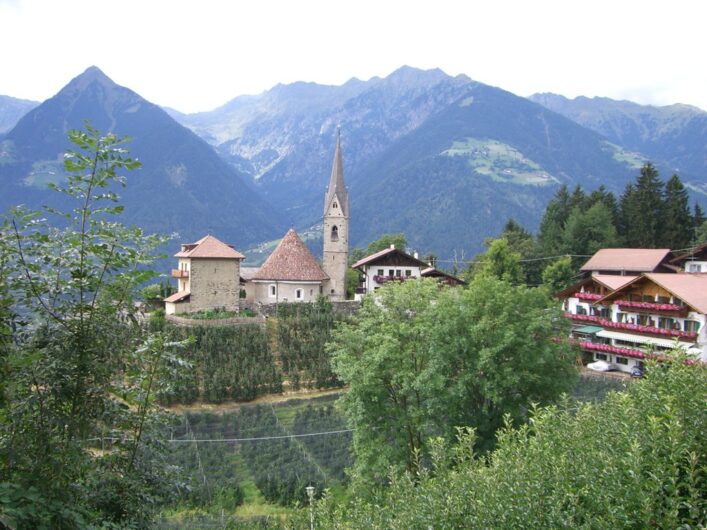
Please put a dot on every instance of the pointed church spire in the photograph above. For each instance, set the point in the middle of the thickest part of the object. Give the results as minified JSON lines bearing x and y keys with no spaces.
{"x":336,"y":182}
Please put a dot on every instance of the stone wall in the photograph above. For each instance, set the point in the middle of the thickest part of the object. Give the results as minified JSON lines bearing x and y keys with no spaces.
{"x":234,"y":321}
{"x":347,"y":308}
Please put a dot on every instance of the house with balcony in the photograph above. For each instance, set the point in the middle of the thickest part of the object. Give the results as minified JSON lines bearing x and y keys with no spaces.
{"x":394,"y":265}
{"x":693,"y":261}
{"x":622,"y":319}
{"x":208,"y":277}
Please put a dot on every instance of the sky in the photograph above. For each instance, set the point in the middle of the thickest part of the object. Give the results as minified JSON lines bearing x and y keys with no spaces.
{"x":197,"y":55}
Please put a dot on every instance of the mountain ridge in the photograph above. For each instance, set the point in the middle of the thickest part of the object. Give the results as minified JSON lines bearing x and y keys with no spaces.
{"x":183,"y":186}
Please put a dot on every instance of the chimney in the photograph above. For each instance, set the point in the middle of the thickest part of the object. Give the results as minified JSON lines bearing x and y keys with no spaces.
{"x":392,"y":246}
{"x":416,"y":255}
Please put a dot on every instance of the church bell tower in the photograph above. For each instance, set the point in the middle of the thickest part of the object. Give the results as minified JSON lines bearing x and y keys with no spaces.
{"x":336,"y":229}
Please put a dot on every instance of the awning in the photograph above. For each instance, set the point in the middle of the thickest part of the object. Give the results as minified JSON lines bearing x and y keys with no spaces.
{"x":588,"y":329}
{"x":177,"y":297}
{"x":638,"y":339}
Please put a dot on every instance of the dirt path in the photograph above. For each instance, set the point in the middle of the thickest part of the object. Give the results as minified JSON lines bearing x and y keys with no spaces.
{"x":230,"y":406}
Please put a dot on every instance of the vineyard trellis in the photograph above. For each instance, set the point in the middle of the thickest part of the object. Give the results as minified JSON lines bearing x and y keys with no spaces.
{"x":219,"y":451}
{"x":246,"y":361}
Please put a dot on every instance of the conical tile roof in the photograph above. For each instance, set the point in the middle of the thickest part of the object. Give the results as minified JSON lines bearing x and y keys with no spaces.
{"x":291,"y":261}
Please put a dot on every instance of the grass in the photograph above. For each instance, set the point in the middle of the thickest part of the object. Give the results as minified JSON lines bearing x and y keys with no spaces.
{"x":212,"y":314}
{"x":500,"y":162}
{"x":633,"y":160}
{"x":45,"y":172}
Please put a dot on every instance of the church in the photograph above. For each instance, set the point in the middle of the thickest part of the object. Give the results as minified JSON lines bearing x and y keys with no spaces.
{"x":209,"y":273}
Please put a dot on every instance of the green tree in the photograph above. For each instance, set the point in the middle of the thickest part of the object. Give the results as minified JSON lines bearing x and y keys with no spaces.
{"x":559,"y":274}
{"x":635,"y":460}
{"x":72,"y":350}
{"x":677,"y":225}
{"x":499,"y":261}
{"x":588,"y":231}
{"x":420,"y":360}
{"x":642,"y":210}
{"x":701,"y":234}
{"x":698,"y":218}
{"x":608,"y":199}
{"x":552,"y":224}
{"x":522,"y":242}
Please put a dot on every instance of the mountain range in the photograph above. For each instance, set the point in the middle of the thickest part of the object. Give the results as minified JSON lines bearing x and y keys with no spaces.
{"x":183,"y":185}
{"x":675,"y":135}
{"x":446,"y":160}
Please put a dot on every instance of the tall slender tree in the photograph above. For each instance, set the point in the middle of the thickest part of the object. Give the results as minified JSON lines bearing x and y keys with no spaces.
{"x":677,"y":225}
{"x":642,"y":210}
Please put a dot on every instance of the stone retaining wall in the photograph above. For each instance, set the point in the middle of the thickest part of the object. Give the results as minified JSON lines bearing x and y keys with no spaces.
{"x":346,"y":308}
{"x":234,"y":321}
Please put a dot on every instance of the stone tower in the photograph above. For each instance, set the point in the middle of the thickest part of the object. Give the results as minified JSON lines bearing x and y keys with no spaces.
{"x":336,"y":229}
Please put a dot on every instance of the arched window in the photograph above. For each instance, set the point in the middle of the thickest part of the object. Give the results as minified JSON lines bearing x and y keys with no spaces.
{"x":334,"y":205}
{"x":334,"y":233}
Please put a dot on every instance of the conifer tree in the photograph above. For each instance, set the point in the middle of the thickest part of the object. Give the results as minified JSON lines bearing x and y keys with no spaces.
{"x":698,"y":218}
{"x":642,"y":210}
{"x":553,"y":221}
{"x":677,"y":223}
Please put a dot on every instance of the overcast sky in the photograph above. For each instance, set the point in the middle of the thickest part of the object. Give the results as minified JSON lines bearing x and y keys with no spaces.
{"x":197,"y":55}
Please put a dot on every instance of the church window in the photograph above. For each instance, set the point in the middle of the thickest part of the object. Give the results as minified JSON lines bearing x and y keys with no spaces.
{"x":273,"y":291}
{"x":334,"y":205}
{"x":334,"y":233}
{"x":298,"y":294}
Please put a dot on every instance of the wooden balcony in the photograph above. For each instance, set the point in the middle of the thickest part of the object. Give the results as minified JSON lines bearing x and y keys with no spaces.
{"x":637,"y":328}
{"x":178,"y":273}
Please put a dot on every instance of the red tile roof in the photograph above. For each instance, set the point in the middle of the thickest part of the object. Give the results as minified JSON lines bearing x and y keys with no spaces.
{"x":291,"y":261}
{"x":208,"y":247}
{"x":627,"y":259}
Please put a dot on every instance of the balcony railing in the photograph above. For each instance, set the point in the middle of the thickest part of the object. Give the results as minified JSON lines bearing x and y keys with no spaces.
{"x":608,"y":348}
{"x":178,"y":273}
{"x":690,"y":335}
{"x":384,"y":279}
{"x":587,"y":296}
{"x":650,"y":306}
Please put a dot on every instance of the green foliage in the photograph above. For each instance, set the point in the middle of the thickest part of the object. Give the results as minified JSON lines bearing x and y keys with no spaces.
{"x":217,"y":313}
{"x":302,"y":333}
{"x":635,"y":460}
{"x":332,"y":452}
{"x":420,"y":360}
{"x":230,"y":362}
{"x":281,"y":467}
{"x":78,"y":364}
{"x":588,"y":231}
{"x":642,"y":208}
{"x":559,"y":274}
{"x":701,"y":234}
{"x":676,"y":222}
{"x":500,"y":261}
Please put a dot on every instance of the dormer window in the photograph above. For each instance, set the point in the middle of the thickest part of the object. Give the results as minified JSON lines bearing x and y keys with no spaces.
{"x":335,"y":232}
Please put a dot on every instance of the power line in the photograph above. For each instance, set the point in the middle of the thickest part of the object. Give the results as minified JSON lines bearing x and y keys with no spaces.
{"x":221,"y":440}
